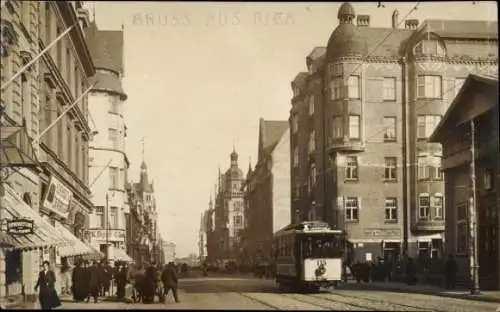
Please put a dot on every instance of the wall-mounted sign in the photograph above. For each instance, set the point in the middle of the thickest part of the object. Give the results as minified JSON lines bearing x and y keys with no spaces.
{"x":21,"y":226}
{"x":113,"y":235}
{"x":57,"y":198}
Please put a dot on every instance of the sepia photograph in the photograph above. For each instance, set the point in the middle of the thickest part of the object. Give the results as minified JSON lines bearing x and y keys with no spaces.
{"x":340,"y":156}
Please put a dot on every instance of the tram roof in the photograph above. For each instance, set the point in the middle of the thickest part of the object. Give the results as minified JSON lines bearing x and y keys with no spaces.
{"x":309,"y":227}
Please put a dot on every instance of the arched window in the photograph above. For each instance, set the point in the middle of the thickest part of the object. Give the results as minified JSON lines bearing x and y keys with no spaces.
{"x":27,"y":199}
{"x":429,"y":47}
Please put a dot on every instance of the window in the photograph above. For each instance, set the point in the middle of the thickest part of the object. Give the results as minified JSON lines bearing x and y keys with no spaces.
{"x":389,"y":89}
{"x":77,"y":84}
{"x":337,"y":69}
{"x":312,"y":177}
{"x":426,"y":125}
{"x":390,"y":169}
{"x":354,"y":131}
{"x":238,"y":220}
{"x":25,"y":14}
{"x":462,"y":229}
{"x":69,"y":69}
{"x":351,"y":168}
{"x":114,"y":105}
{"x":429,"y":168}
{"x":337,"y":125}
{"x":295,"y":156}
{"x":437,"y":206}
{"x":113,"y":217}
{"x":458,"y":84}
{"x":69,"y":147}
{"x":352,"y":209}
{"x":391,"y":209}
{"x":59,"y":50}
{"x":336,"y":88}
{"x":295,"y":124}
{"x":60,"y":128}
{"x":423,"y":207}
{"x":99,"y":212}
{"x":48,"y":20}
{"x":296,"y":91}
{"x":113,"y":177}
{"x":429,"y":87}
{"x":432,"y":47}
{"x":353,"y":87}
{"x":113,"y":137}
{"x":312,"y":141}
{"x":311,"y":104}
{"x":488,"y":179}
{"x":389,"y":129}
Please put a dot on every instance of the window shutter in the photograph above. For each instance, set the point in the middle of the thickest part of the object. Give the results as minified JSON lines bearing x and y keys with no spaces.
{"x":359,"y":203}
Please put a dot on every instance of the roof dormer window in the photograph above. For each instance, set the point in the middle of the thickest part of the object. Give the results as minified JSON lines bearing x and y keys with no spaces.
{"x":429,"y":47}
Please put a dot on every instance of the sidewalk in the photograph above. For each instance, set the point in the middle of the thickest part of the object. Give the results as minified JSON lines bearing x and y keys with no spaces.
{"x":486,"y":295}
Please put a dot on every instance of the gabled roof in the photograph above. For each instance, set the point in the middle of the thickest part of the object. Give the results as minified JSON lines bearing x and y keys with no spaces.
{"x":471,"y":84}
{"x":106,"y":48}
{"x":270,"y":133}
{"x":463,"y":29}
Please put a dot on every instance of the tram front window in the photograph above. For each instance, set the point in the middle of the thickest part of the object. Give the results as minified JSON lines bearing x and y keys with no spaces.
{"x":321,"y":247}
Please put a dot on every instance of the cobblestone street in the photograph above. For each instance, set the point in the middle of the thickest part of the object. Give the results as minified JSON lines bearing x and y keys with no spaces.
{"x":261,"y":294}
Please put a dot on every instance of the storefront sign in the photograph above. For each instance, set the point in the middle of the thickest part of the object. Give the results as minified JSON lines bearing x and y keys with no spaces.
{"x":382,"y":232}
{"x":112,"y":234}
{"x":21,"y":226}
{"x":57,"y":198}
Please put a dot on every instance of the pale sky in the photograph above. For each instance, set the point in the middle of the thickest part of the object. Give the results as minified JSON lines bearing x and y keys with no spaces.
{"x":196,"y":85}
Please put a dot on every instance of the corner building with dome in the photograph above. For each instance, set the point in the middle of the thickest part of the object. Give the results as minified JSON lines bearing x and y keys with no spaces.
{"x":360,"y":120}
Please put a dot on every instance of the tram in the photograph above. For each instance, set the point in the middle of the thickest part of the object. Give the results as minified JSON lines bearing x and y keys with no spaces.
{"x":309,"y":255}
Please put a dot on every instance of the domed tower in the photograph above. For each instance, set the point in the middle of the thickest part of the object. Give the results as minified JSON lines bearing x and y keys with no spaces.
{"x":346,"y":39}
{"x":234,"y":175}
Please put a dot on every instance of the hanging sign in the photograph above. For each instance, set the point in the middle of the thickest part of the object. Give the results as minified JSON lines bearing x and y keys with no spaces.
{"x":20,"y":226}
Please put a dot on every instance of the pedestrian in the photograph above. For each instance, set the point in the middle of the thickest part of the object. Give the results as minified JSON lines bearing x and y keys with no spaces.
{"x":116,"y":271}
{"x":78,"y":283}
{"x":411,"y":272}
{"x":150,"y":283}
{"x":169,"y":278}
{"x":450,"y":271}
{"x":94,"y":282}
{"x":48,"y":295}
{"x":121,"y":281}
{"x":65,"y":277}
{"x":138,"y":284}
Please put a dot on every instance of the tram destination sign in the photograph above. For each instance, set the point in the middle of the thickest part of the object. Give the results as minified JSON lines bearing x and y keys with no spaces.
{"x":20,"y":226}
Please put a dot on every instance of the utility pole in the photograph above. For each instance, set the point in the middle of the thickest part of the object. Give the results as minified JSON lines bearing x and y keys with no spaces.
{"x":473,"y":259}
{"x":107,"y":226}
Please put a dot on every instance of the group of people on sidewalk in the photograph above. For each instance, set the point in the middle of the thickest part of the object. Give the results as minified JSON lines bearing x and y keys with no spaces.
{"x":151,"y":281}
{"x":381,"y":270}
{"x":93,"y":279}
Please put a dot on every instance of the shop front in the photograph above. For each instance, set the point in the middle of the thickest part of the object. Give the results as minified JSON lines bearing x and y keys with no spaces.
{"x":23,"y":231}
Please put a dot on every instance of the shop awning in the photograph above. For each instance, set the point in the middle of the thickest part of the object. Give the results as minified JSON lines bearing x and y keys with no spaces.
{"x":76,"y":248}
{"x":44,"y":234}
{"x":121,"y":255}
{"x":16,"y":149}
{"x":95,"y":255}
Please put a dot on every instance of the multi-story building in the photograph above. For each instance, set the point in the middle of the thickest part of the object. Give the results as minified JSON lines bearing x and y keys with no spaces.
{"x":108,"y":159}
{"x":229,"y":221}
{"x":267,"y":190}
{"x":42,"y":101}
{"x":202,"y":235}
{"x":169,"y":251}
{"x":145,"y":208}
{"x":476,"y":106}
{"x":360,"y":120}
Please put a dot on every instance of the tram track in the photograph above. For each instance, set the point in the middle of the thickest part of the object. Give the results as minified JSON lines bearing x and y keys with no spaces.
{"x":381,"y":305}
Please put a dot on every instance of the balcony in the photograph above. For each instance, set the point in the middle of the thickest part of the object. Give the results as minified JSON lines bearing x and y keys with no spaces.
{"x":428,"y":226}
{"x":344,"y":145}
{"x":114,"y":235}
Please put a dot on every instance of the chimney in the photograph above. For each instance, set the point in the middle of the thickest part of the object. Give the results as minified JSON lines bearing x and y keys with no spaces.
{"x":363,"y":21}
{"x":395,"y":21}
{"x":411,"y":24}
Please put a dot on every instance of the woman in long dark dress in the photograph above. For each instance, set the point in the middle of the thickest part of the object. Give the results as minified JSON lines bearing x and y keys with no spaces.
{"x":46,"y":281}
{"x":78,"y":279}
